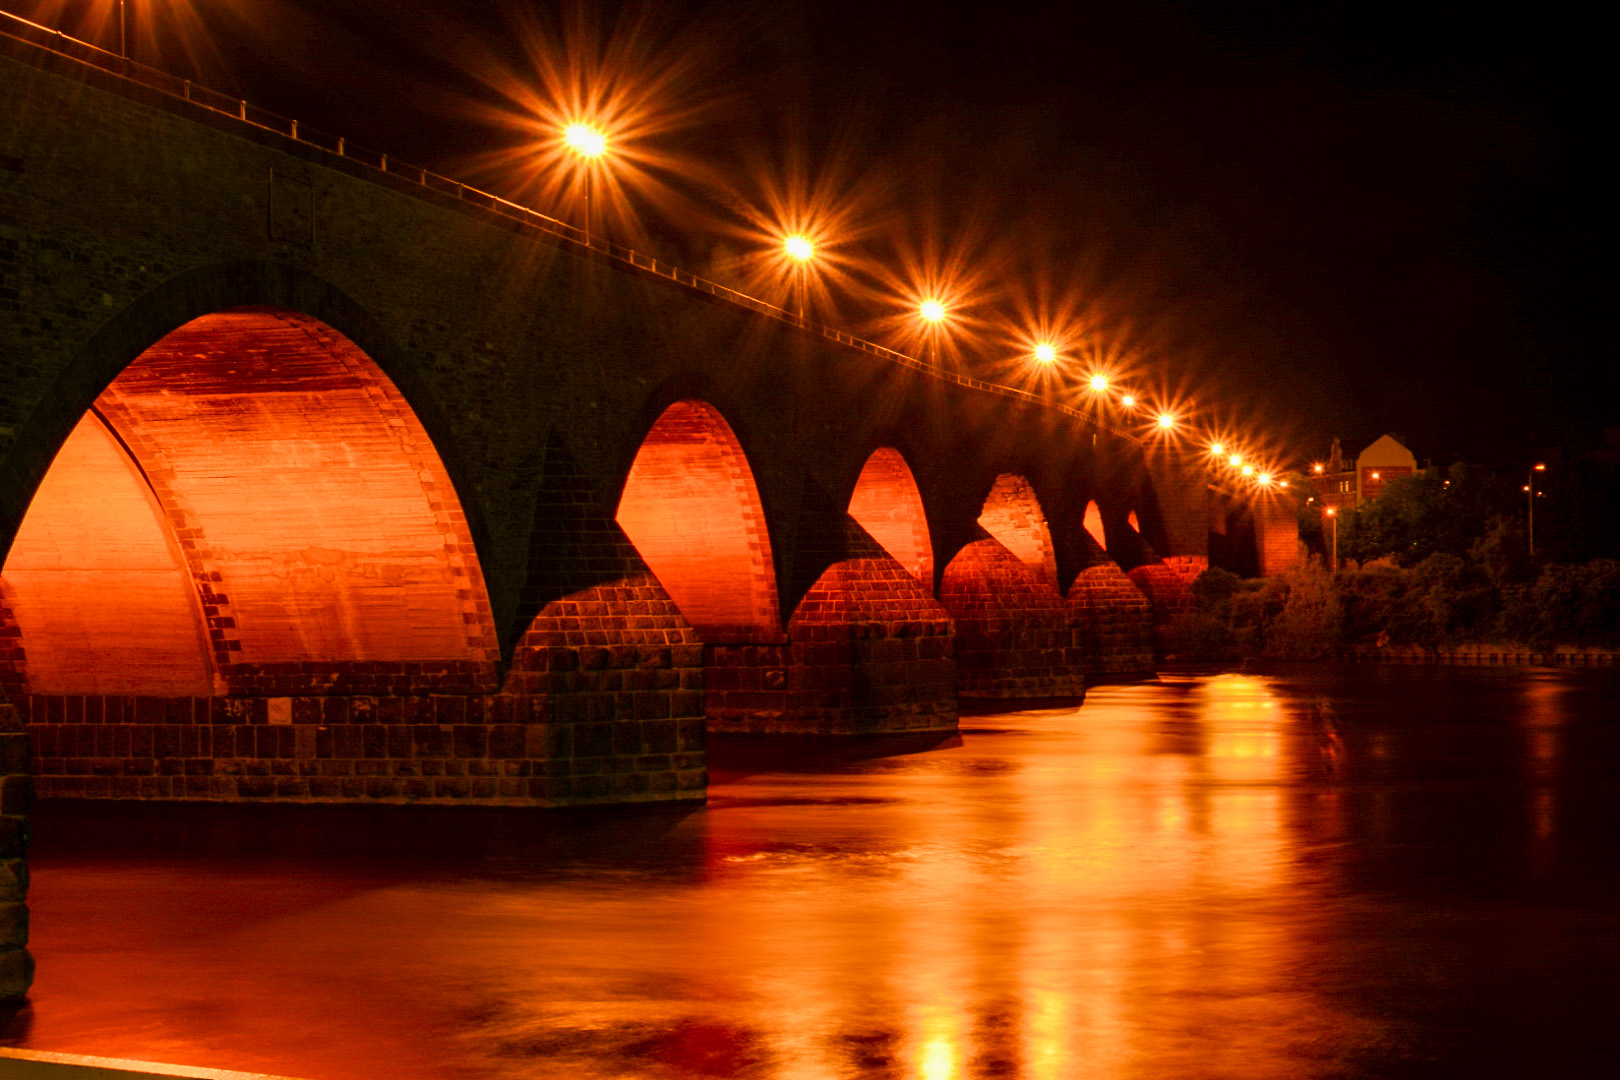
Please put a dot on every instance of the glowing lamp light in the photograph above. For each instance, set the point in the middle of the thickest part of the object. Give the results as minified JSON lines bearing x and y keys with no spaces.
{"x":1525,"y":488}
{"x":931,"y":311}
{"x":1331,"y":511}
{"x":586,"y":140}
{"x":1317,"y":467}
{"x":1217,"y":449}
{"x":799,"y":248}
{"x":1099,"y":383}
{"x":1248,"y":470}
{"x":1046,"y":353}
{"x":1235,"y":460}
{"x":1264,"y":479}
{"x":1129,"y":401}
{"x":1166,"y":421}
{"x":1375,"y":476}
{"x":1541,"y":468}
{"x":1282,"y":483}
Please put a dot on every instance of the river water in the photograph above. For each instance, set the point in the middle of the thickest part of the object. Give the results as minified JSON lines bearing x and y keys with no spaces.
{"x":1315,"y":872}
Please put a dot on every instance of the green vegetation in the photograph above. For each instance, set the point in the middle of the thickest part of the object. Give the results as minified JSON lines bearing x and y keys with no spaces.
{"x":1439,"y":560}
{"x":1441,"y":602}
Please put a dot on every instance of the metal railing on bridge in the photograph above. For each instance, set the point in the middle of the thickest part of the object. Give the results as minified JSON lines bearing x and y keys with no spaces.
{"x":72,"y":48}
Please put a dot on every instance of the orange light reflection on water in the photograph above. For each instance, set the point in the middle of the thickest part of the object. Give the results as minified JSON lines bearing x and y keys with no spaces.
{"x":1106,"y":892}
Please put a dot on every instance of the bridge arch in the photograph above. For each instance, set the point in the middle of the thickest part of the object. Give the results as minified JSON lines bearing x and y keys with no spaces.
{"x":249,"y":497}
{"x":1014,"y":636}
{"x":1012,"y":514}
{"x":692,"y":509}
{"x":888,"y":505}
{"x":190,"y":295}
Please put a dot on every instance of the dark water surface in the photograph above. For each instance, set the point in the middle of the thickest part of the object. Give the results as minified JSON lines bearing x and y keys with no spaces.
{"x":1321,"y":872}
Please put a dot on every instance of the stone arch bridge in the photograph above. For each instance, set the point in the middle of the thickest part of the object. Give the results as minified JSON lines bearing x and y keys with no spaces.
{"x":322,"y":482}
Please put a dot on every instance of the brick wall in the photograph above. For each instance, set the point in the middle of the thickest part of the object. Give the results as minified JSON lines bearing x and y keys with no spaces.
{"x":1116,"y":621}
{"x":692,"y":510}
{"x":1168,"y":586}
{"x":1180,"y":499}
{"x":887,"y":504}
{"x":868,"y":651}
{"x":1276,"y":533}
{"x":1012,"y":514}
{"x":16,"y":965}
{"x":1015,"y":637}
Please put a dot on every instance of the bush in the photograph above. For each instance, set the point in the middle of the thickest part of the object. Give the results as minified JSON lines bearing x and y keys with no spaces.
{"x":1567,"y":605}
{"x":1310,"y":624}
{"x":1444,"y":600}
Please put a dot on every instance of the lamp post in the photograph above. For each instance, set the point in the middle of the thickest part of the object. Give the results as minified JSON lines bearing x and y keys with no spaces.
{"x":1333,"y":514}
{"x":589,"y":144}
{"x":1530,"y":500}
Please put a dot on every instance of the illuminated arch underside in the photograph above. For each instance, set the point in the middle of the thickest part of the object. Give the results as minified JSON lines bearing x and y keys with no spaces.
{"x":691,"y":509}
{"x":251,"y":491}
{"x":1012,"y":514}
{"x":888,"y":506}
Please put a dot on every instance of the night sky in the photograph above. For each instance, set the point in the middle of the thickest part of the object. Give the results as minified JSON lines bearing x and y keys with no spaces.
{"x":1320,"y":220}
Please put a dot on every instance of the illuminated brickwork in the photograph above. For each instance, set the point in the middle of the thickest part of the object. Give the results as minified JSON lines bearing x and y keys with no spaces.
{"x":609,"y":673}
{"x":1168,"y":585}
{"x":869,"y":651}
{"x":1015,"y":637}
{"x":691,"y":509}
{"x":1116,"y":621}
{"x":1013,"y":515}
{"x":1276,"y":529}
{"x":888,"y":506}
{"x":301,"y":611}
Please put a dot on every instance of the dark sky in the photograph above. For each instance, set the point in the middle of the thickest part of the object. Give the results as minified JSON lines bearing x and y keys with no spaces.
{"x":1324,"y":219}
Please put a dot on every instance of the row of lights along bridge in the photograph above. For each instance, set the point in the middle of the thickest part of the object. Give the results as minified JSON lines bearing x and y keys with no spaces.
{"x":590,"y":145}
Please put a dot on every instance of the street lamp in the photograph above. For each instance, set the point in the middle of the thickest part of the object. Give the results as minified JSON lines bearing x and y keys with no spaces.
{"x":589,"y":144}
{"x":931,"y":310}
{"x":800,"y":250}
{"x":1098,"y":383}
{"x":1045,"y":353}
{"x":1530,"y":499}
{"x":1166,"y":421}
{"x":1333,"y":514}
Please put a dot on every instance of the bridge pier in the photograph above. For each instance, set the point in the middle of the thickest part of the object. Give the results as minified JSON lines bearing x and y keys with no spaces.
{"x":1116,"y":621}
{"x":16,"y":794}
{"x":1015,"y":637}
{"x":867,"y":652}
{"x":1167,"y":584}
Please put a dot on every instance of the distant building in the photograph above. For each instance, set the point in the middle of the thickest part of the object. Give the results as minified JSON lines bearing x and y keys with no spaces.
{"x":1345,"y":484}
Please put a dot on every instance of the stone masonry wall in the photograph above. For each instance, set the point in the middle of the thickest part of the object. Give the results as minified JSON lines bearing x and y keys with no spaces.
{"x":16,"y":965}
{"x":1168,"y":586}
{"x":1116,"y":621}
{"x":1015,"y":638}
{"x":871,"y":652}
